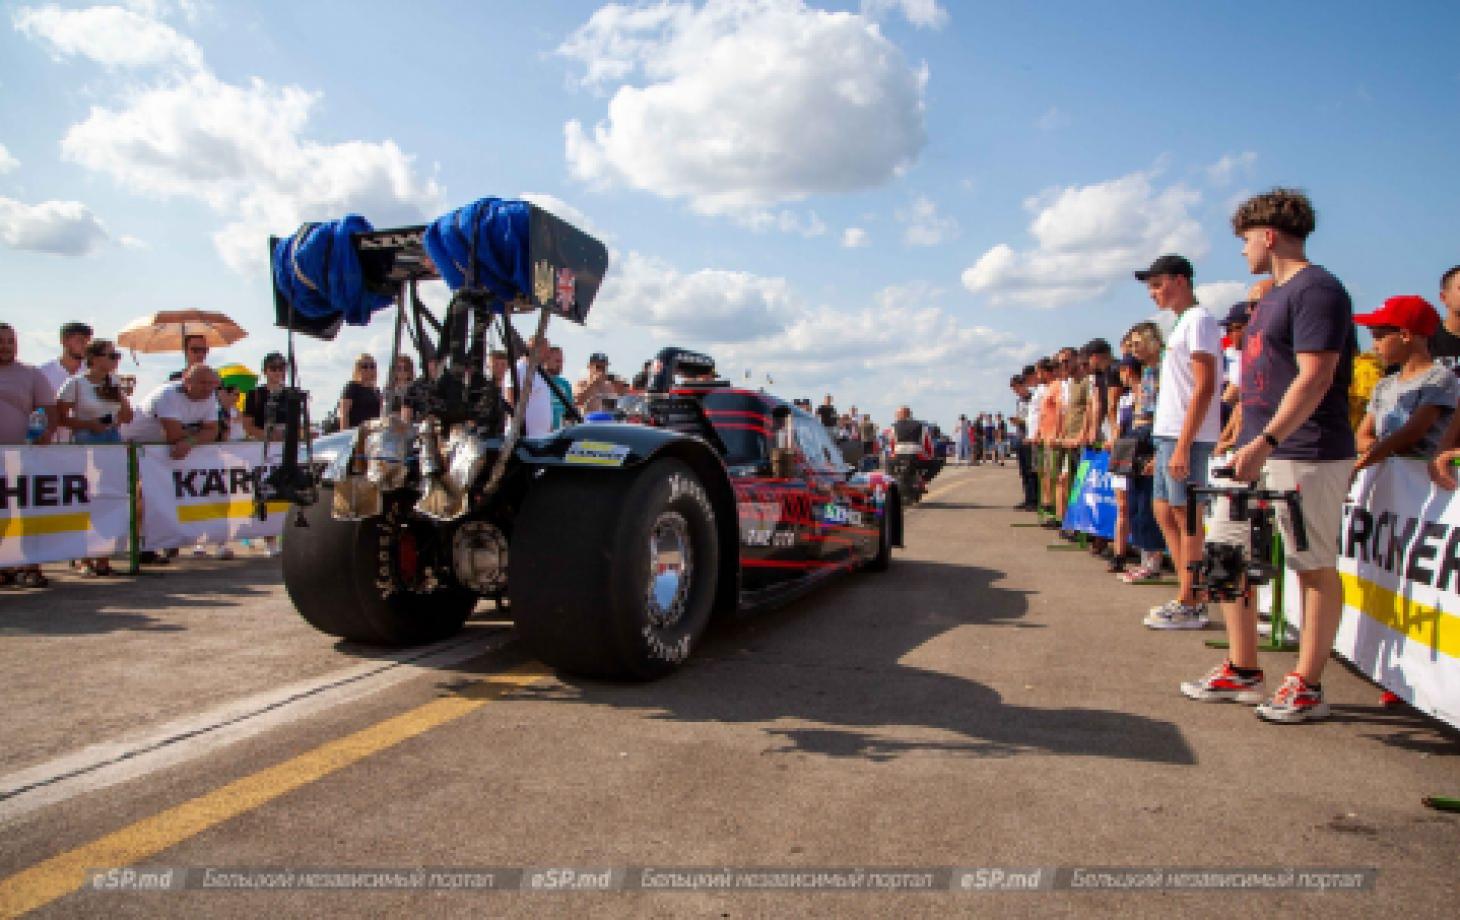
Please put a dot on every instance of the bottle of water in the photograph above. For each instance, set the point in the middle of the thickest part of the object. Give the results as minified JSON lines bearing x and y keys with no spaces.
{"x":37,"y":426}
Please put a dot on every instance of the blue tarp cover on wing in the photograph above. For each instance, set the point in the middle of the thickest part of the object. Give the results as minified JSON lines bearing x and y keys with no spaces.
{"x":503,"y":265}
{"x":318,"y":272}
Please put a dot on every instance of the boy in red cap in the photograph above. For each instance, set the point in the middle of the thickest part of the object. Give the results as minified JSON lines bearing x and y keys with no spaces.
{"x":1410,"y":410}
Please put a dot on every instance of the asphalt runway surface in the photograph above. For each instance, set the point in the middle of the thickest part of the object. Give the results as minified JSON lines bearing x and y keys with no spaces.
{"x":988,"y":702}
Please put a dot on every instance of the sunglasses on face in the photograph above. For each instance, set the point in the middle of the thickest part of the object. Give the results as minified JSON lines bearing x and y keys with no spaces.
{"x":366,"y":367}
{"x":115,"y":356}
{"x":274,"y":367}
{"x":1379,"y":332}
{"x":195,"y":350}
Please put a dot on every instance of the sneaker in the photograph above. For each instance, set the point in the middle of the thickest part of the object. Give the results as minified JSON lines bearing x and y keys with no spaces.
{"x":1164,"y":608}
{"x":1222,"y":684}
{"x":1178,"y":616}
{"x":1294,"y":701}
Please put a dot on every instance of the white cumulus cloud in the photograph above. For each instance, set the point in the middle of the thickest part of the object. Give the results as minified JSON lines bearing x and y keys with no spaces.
{"x":925,"y":14}
{"x":1218,"y":296}
{"x":899,"y":348}
{"x":1087,"y":238}
{"x":65,"y":228}
{"x":242,"y":149}
{"x":711,"y":305}
{"x":924,"y":226}
{"x":855,"y":238}
{"x":109,"y":35}
{"x":740,"y":105}
{"x":8,"y":162}
{"x":1230,"y":166}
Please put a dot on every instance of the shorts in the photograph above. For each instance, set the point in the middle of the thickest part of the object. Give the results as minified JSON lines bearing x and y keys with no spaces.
{"x":1166,"y":488}
{"x":1324,"y":485}
{"x":1044,"y":460}
{"x":1066,"y":462}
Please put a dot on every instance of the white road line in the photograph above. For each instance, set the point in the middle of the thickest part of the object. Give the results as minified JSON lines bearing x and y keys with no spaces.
{"x":98,"y":766}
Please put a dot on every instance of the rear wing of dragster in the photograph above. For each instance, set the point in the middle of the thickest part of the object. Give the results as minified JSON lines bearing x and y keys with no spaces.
{"x":567,"y":268}
{"x":501,"y":257}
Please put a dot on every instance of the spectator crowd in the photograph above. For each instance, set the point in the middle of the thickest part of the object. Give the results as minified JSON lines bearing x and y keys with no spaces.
{"x":1271,"y":390}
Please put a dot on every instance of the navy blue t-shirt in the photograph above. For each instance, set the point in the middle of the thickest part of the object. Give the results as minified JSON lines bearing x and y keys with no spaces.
{"x":1311,"y":312}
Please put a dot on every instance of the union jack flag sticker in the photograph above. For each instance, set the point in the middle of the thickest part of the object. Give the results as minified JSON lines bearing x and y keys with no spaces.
{"x":567,"y":289}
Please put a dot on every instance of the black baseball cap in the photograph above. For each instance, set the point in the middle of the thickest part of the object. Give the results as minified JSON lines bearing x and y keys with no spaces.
{"x":68,"y":329}
{"x":598,"y":357}
{"x":1239,"y":314}
{"x":1167,"y":265}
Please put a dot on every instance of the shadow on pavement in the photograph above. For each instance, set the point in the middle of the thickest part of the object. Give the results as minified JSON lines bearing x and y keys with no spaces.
{"x":74,"y":606}
{"x":834,"y":661}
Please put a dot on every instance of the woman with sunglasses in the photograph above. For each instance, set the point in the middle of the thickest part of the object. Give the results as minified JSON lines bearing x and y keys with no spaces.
{"x":360,"y":401}
{"x":93,"y":406}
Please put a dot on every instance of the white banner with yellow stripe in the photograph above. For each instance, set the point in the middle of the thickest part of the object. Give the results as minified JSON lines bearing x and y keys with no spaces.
{"x":1399,"y":557}
{"x":208,"y":493}
{"x":62,"y":502}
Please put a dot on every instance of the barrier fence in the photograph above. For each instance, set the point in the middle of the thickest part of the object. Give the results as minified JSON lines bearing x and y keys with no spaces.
{"x":73,"y":501}
{"x":1399,"y":558}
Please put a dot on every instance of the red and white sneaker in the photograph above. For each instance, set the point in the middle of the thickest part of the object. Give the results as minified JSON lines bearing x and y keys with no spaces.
{"x":1224,"y":684}
{"x":1294,"y":701}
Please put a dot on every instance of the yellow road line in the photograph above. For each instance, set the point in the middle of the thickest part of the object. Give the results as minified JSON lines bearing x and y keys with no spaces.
{"x":38,"y":524}
{"x":213,"y":511}
{"x":60,"y":875}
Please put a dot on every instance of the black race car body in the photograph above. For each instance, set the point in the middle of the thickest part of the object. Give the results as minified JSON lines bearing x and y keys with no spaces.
{"x":799,"y":513}
{"x":611,"y":543}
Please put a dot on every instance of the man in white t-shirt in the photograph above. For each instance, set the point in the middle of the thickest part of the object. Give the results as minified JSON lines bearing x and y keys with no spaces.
{"x":539,"y":418}
{"x":70,"y":362}
{"x":1187,"y":425}
{"x":181,"y":413}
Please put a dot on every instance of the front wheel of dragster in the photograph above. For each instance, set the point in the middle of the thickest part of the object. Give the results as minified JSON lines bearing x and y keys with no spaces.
{"x":613,"y":573}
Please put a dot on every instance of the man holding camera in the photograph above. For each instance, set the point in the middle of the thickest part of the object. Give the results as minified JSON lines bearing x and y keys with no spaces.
{"x":1297,"y":363}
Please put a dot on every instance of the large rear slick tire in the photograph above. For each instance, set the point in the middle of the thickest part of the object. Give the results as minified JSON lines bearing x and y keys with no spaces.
{"x":613,"y":573}
{"x":340,"y":574}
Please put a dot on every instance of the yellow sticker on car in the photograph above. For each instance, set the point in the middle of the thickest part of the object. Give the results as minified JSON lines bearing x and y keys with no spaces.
{"x":596,"y":453}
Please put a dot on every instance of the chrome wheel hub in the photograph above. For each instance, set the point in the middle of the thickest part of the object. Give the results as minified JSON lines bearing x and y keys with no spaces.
{"x":671,"y":565}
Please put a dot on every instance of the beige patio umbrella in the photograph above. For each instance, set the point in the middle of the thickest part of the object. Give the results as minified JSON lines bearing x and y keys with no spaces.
{"x":165,"y":330}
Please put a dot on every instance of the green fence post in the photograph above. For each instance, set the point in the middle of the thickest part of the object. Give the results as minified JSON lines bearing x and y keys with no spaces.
{"x":1277,"y":640}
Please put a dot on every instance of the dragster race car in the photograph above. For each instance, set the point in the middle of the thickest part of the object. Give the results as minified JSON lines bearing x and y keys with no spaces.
{"x":611,"y":543}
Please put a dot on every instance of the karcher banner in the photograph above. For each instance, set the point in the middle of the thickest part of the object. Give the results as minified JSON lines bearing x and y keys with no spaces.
{"x":1400,"y":563}
{"x":62,"y":502}
{"x":208,"y":493}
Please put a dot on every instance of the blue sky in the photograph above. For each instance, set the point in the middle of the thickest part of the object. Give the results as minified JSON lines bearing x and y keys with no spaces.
{"x":896,"y":201}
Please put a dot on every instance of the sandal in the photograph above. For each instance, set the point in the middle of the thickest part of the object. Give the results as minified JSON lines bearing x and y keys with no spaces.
{"x":32,"y":578}
{"x":1140,"y":575}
